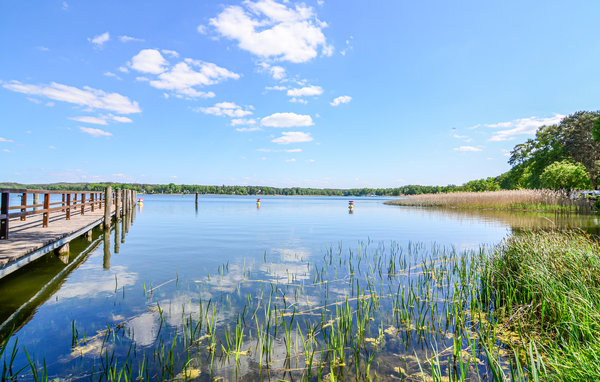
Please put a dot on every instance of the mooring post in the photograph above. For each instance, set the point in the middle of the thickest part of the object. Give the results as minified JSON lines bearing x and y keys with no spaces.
{"x":117,"y":236}
{"x":106,"y":239}
{"x":196,"y":199}
{"x":107,"y":207}
{"x":4,"y":219}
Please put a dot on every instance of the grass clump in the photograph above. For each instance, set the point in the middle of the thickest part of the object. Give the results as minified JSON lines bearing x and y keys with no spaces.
{"x":547,"y":287}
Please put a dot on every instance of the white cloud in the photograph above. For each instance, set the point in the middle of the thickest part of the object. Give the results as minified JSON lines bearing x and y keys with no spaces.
{"x":467,"y":148}
{"x":125,"y":39}
{"x":123,"y":69}
{"x":242,"y":121}
{"x":272,"y":30}
{"x":100,"y":39}
{"x":90,"y":119}
{"x":90,"y":97}
{"x":202,"y":29}
{"x":291,"y":160}
{"x":118,"y":118}
{"x":277,"y":72}
{"x":149,"y":61}
{"x":522,"y":126}
{"x":95,"y":132}
{"x":293,"y":151}
{"x":305,"y":91}
{"x":171,"y":53}
{"x":111,"y":74}
{"x":279,"y":88}
{"x":293,"y":137}
{"x":248,"y":129}
{"x":287,"y":120}
{"x":278,"y":151}
{"x":182,"y":77}
{"x":229,"y":109}
{"x":6,"y":140}
{"x":340,"y":100}
{"x":298,"y":100}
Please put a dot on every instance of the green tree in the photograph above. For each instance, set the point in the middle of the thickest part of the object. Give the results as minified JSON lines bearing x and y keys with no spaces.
{"x":565,"y":175}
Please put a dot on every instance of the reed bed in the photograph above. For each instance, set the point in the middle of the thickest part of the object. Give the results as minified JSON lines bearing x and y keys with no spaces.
{"x":518,"y":200}
{"x":380,"y":311}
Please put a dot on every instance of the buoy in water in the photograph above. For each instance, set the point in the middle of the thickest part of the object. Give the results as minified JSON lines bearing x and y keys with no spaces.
{"x":140,"y":201}
{"x":258,"y":203}
{"x":351,"y":205}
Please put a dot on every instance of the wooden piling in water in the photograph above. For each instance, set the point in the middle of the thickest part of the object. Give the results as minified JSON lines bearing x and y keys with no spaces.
{"x":117,"y":204}
{"x":107,"y":207}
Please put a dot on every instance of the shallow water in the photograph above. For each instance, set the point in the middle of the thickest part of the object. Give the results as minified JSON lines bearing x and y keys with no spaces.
{"x":186,"y":254}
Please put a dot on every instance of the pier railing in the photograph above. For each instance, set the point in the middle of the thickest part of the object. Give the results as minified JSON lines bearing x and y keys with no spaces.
{"x":29,"y":204}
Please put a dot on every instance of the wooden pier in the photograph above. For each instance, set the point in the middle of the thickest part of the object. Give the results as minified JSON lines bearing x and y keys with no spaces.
{"x":37,"y":229}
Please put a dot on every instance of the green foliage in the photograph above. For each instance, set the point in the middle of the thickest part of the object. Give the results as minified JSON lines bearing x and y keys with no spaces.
{"x":565,"y":175}
{"x":572,"y":139}
{"x":596,"y":130}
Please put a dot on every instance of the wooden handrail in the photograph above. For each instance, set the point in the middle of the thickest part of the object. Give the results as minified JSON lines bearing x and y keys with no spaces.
{"x":66,"y":205}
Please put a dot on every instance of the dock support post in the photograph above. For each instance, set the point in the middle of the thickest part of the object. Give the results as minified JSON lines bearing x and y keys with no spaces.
{"x":4,"y":212}
{"x":117,"y":204}
{"x":36,"y":201}
{"x":107,"y":207}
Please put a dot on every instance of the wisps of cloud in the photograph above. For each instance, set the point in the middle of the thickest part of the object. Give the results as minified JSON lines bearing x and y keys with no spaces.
{"x":181,"y":78}
{"x":125,"y":39}
{"x":272,"y":30}
{"x":306,"y":91}
{"x":248,"y":129}
{"x":340,"y":100}
{"x":228,"y":109}
{"x":100,"y":39}
{"x":101,"y":120}
{"x":287,"y":120}
{"x":243,"y":121}
{"x":289,"y":137}
{"x":95,"y":132}
{"x":467,"y":149}
{"x":6,"y":140}
{"x":280,"y":150}
{"x":87,"y":96}
{"x":521,"y":126}
{"x":462,"y":137}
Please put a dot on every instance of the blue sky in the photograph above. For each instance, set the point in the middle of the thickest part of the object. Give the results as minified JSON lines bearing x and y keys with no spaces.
{"x":317,"y":93}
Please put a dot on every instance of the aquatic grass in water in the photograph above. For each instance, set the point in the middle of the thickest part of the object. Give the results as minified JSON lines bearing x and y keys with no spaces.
{"x":379,"y":311}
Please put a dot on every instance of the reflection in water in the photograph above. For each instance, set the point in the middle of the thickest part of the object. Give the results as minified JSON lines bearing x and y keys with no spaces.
{"x":106,"y":259}
{"x":22,"y":292}
{"x":117,"y":236}
{"x":295,"y":275}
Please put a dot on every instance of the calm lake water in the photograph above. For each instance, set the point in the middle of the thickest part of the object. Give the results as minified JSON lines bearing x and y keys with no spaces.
{"x":183,"y":253}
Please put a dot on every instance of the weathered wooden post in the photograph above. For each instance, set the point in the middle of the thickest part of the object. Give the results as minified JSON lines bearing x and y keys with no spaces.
{"x":46,"y":215}
{"x":83,"y":203}
{"x":68,"y":214}
{"x":92,"y":200}
{"x":23,"y":205}
{"x":117,"y":204}
{"x":4,"y":216}
{"x":107,"y":207}
{"x":36,"y":201}
{"x":196,"y":199}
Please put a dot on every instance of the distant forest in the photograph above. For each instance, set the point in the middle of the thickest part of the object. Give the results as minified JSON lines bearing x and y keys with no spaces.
{"x":563,"y":156}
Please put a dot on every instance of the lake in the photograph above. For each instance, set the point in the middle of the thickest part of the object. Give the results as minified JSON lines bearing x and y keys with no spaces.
{"x":155,"y":278}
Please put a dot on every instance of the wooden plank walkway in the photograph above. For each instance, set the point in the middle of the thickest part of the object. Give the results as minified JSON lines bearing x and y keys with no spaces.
{"x":28,"y":240}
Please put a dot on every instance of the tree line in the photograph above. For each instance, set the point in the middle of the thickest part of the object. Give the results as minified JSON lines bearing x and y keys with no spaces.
{"x":563,"y":156}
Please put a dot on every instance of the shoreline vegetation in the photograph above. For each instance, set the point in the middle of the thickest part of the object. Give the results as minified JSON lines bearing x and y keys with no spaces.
{"x":506,"y":200}
{"x":526,"y":309}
